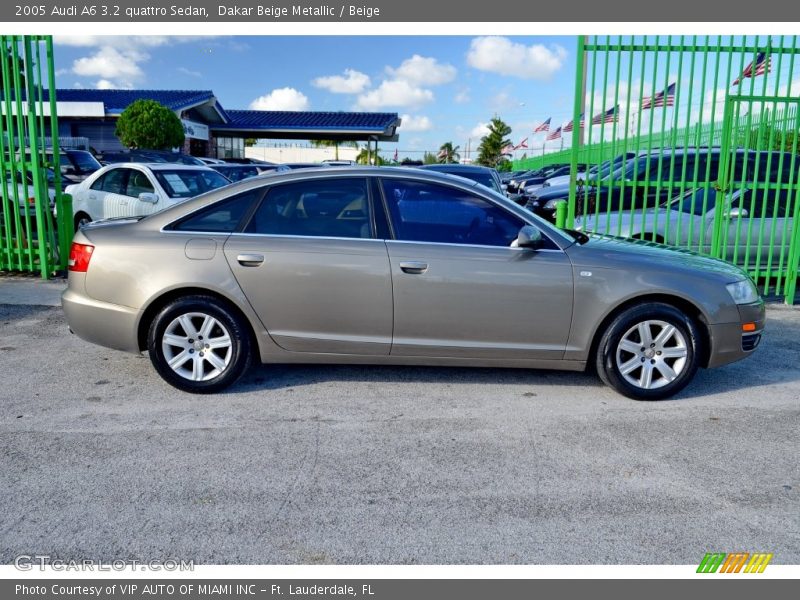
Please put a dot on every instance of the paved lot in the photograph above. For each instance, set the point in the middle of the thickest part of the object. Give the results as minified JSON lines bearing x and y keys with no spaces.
{"x":101,"y":459}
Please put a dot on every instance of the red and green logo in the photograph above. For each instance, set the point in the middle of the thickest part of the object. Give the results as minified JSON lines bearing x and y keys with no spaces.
{"x":736,"y":562}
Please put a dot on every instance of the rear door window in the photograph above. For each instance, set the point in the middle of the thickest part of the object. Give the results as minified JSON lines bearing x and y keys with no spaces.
{"x":317,"y":208}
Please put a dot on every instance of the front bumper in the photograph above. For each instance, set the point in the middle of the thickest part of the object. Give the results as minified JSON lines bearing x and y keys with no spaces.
{"x":102,"y":323}
{"x":729,"y":343}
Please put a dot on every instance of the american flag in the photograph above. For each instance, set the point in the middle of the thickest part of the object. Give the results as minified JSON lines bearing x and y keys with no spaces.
{"x":507,"y":149}
{"x":554,"y":135}
{"x":522,"y":144}
{"x":608,"y":116}
{"x":442,"y":153}
{"x":569,"y":126}
{"x":395,"y":155}
{"x":661,"y":99}
{"x":762,"y":66}
{"x":543,"y":127}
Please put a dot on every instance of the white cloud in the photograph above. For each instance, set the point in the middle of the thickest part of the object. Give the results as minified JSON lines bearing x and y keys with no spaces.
{"x":352,"y":82}
{"x":286,"y":98}
{"x":118,"y":60}
{"x":498,"y":54}
{"x":462,"y":97}
{"x":502,"y":101}
{"x":480,"y":130}
{"x":111,"y":64}
{"x":394,"y":93}
{"x":189,"y":72}
{"x":105,"y":84}
{"x":415,"y":123}
{"x":421,"y":70}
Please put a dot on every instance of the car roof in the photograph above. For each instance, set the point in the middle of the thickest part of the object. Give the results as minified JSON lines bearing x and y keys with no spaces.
{"x":160,"y":166}
{"x":457,"y":167}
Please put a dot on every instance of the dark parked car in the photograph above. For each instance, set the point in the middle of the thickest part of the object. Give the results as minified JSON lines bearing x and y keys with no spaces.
{"x":636,"y":183}
{"x":516,"y":187}
{"x":483,"y":175}
{"x":150,"y":156}
{"x":237,"y":172}
{"x":247,"y":161}
{"x":77,"y":164}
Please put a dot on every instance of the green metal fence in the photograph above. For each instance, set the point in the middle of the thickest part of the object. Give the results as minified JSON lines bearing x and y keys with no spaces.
{"x":31,"y":239}
{"x":704,"y":131}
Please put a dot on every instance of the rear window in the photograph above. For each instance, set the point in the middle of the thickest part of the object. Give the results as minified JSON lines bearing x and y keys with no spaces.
{"x":186,"y":183}
{"x":220,"y":217}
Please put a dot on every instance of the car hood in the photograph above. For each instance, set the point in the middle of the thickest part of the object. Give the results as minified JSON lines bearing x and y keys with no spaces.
{"x":610,"y":250}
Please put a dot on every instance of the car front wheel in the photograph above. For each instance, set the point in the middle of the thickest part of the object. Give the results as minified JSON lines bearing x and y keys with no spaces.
{"x":649,"y":351}
{"x":198,"y":344}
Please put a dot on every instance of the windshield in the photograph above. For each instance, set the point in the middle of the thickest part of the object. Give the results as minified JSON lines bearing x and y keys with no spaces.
{"x":186,"y":183}
{"x":484,"y":179}
{"x":83,"y":161}
{"x":692,"y":201}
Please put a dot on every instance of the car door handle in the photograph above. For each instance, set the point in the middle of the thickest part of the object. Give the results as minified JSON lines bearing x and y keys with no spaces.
{"x":413,"y":267}
{"x":250,"y":260}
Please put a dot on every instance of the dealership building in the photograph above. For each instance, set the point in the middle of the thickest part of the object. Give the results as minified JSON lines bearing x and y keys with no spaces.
{"x":212,"y":130}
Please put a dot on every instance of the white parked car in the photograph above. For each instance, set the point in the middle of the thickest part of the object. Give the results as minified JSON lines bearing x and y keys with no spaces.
{"x":750,"y":217}
{"x":135,"y":189}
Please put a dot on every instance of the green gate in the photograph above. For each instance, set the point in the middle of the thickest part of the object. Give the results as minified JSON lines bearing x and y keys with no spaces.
{"x":31,"y":238}
{"x":758,"y":197}
{"x":690,"y":141}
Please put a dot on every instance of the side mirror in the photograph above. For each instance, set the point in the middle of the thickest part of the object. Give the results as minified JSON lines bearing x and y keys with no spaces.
{"x":529,"y":237}
{"x":149,"y":197}
{"x":737,"y":212}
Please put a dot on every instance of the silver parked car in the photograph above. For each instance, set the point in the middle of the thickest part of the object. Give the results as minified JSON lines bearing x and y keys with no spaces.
{"x":760,"y":219}
{"x":398,"y":266}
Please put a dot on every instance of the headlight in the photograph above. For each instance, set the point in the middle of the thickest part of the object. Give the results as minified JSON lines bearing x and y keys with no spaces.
{"x":743,"y":292}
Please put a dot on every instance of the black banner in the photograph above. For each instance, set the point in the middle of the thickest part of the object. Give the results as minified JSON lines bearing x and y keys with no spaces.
{"x":393,"y":589}
{"x":466,"y":11}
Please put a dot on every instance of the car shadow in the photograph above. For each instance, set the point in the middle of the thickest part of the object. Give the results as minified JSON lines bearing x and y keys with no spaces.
{"x":773,"y":363}
{"x":274,"y":377}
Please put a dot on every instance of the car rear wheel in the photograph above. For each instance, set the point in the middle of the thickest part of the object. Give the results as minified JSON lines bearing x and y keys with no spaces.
{"x":81,"y":219}
{"x":197,"y":344}
{"x":649,"y":352}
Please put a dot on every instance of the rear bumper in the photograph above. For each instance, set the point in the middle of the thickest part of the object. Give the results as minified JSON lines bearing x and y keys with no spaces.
{"x":109,"y":325}
{"x":729,"y":343}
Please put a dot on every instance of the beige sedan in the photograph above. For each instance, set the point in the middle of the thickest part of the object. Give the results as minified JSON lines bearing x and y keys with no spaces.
{"x":398,"y":266}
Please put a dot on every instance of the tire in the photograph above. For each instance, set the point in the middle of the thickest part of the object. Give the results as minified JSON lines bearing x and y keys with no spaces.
{"x":658,"y":368}
{"x":80,"y":220}
{"x":185,"y":332}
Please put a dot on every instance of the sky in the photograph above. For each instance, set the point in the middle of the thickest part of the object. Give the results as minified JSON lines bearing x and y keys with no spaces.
{"x":445,"y":88}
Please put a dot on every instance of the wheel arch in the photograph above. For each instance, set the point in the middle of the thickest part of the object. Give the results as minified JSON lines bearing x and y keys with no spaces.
{"x":161,"y":301}
{"x":682,"y":304}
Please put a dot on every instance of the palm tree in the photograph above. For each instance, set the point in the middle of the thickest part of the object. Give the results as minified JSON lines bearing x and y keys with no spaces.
{"x":449,"y":153}
{"x":377,"y":159}
{"x":335,"y":144}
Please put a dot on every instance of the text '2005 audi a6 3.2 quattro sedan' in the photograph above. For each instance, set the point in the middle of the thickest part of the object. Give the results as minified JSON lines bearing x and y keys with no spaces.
{"x":398,"y":266}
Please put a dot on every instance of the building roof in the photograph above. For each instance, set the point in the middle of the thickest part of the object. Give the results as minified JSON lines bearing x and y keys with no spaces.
{"x":302,"y":124}
{"x":116,"y":101}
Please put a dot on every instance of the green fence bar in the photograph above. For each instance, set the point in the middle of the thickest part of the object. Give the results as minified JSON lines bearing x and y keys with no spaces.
{"x":31,"y":238}
{"x":706,"y":130}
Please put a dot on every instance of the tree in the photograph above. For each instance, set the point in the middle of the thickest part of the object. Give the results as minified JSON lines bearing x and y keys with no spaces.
{"x":149,"y":124}
{"x":377,"y":159}
{"x":767,"y":137}
{"x":490,"y":151}
{"x":335,"y":144}
{"x":449,"y":153}
{"x":429,"y":158}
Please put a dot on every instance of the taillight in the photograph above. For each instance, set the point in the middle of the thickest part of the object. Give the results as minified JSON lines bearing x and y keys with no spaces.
{"x":79,"y":257}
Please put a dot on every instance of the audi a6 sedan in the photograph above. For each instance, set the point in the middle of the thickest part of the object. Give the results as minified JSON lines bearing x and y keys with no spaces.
{"x":398,"y":266}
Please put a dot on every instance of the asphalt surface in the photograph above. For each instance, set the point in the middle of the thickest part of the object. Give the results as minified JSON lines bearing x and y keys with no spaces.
{"x":326,"y":464}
